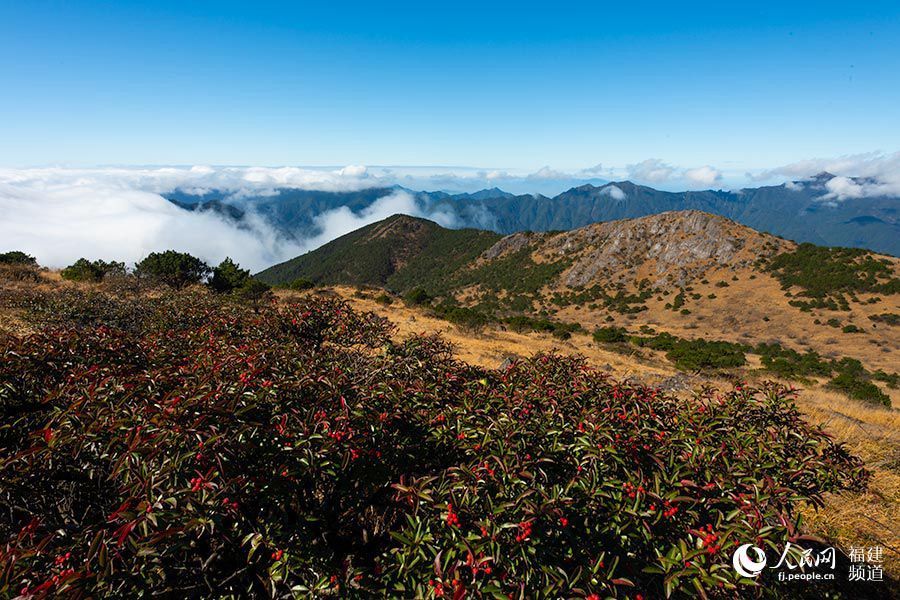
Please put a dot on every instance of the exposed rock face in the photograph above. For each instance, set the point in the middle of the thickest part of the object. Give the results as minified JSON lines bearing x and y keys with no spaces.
{"x":509,"y":245}
{"x":670,"y":248}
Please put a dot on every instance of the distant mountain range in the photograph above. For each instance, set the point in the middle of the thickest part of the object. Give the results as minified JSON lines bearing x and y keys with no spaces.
{"x":800,"y":211}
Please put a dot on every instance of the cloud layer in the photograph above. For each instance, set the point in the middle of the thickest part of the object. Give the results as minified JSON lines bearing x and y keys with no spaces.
{"x":60,"y":215}
{"x":118,"y":213}
{"x":859,"y":175}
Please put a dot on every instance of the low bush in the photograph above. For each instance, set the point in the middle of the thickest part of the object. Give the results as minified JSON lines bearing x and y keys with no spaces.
{"x":175,"y":269}
{"x":299,"y":285}
{"x":196,"y":448}
{"x":384,"y":299}
{"x":17,"y":257}
{"x":92,"y":270}
{"x":228,"y":276}
{"x":610,"y":335}
{"x":18,"y":266}
{"x":417,"y":296}
{"x":886,"y":318}
{"x":856,"y":386}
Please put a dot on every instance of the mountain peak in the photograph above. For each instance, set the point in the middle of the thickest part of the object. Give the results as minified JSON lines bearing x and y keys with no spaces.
{"x":673,"y":247}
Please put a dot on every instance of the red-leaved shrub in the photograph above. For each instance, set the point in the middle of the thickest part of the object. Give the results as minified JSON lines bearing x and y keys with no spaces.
{"x":182,"y":446}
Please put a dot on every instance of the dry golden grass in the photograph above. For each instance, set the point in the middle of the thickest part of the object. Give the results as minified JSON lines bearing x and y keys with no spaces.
{"x":871,"y":518}
{"x":738,"y":313}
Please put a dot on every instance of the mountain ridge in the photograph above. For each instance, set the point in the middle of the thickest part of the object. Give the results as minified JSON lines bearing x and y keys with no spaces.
{"x":800,"y":210}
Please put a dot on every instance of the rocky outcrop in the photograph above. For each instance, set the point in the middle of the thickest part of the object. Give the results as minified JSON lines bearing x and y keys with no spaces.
{"x":670,"y":248}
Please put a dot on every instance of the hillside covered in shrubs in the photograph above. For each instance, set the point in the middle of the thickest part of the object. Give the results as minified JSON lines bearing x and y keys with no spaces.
{"x":181,"y":444}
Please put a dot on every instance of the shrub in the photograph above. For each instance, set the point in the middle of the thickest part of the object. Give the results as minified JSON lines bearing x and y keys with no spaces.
{"x":465,"y":318}
{"x":228,"y":276}
{"x":858,"y":388}
{"x":298,"y":451}
{"x":254,"y":291}
{"x":417,"y":296}
{"x":18,"y":266}
{"x":823,"y":271}
{"x":92,"y":271}
{"x":887,"y":318}
{"x":176,"y":269}
{"x":605,"y":335}
{"x":851,"y":328}
{"x":17,"y":257}
{"x":384,"y":299}
{"x":301,"y":284}
{"x":694,"y":355}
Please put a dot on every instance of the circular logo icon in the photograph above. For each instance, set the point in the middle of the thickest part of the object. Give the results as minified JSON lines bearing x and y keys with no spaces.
{"x":746,"y":566}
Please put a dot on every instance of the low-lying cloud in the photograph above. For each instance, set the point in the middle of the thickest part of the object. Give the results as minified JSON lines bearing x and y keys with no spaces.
{"x":866,"y":175}
{"x":613,"y":191}
{"x":655,"y":171}
{"x":60,"y":215}
{"x":119,"y":213}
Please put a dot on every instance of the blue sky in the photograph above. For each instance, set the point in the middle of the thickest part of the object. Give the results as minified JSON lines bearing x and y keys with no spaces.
{"x":736,"y":85}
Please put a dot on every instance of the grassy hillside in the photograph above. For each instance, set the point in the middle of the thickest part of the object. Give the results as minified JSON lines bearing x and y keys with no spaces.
{"x":397,"y":252}
{"x":706,"y":282}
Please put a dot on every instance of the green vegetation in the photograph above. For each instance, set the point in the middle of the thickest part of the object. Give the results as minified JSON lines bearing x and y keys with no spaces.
{"x":384,"y":299}
{"x":175,"y":269}
{"x":622,"y":302}
{"x":823,"y":271}
{"x":92,"y":271}
{"x":515,"y":273}
{"x":791,"y":364}
{"x":301,"y":284}
{"x":886,"y":318}
{"x":417,"y":296}
{"x":610,"y":335}
{"x":399,"y":253}
{"x":697,"y":354}
{"x":228,"y":276}
{"x":558,"y":329}
{"x":299,"y":450}
{"x":18,"y":266}
{"x":17,"y":257}
{"x":253,"y":291}
{"x":853,"y":381}
{"x":849,"y":375}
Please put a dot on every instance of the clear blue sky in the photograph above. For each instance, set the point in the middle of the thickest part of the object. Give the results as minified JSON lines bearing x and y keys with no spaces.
{"x":733,"y":84}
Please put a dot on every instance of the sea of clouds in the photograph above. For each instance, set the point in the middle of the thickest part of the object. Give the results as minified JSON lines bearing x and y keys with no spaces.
{"x":59,"y":214}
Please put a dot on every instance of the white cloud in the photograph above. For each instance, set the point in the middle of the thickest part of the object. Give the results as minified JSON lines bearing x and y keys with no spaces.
{"x":548,"y":173}
{"x":655,"y":171}
{"x":613,"y":192}
{"x":652,"y":170}
{"x":59,"y":224}
{"x":359,"y":171}
{"x":118,"y":214}
{"x":595,"y":171}
{"x":340,"y":221}
{"x":842,"y":188}
{"x":878,"y":174}
{"x":705,"y":175}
